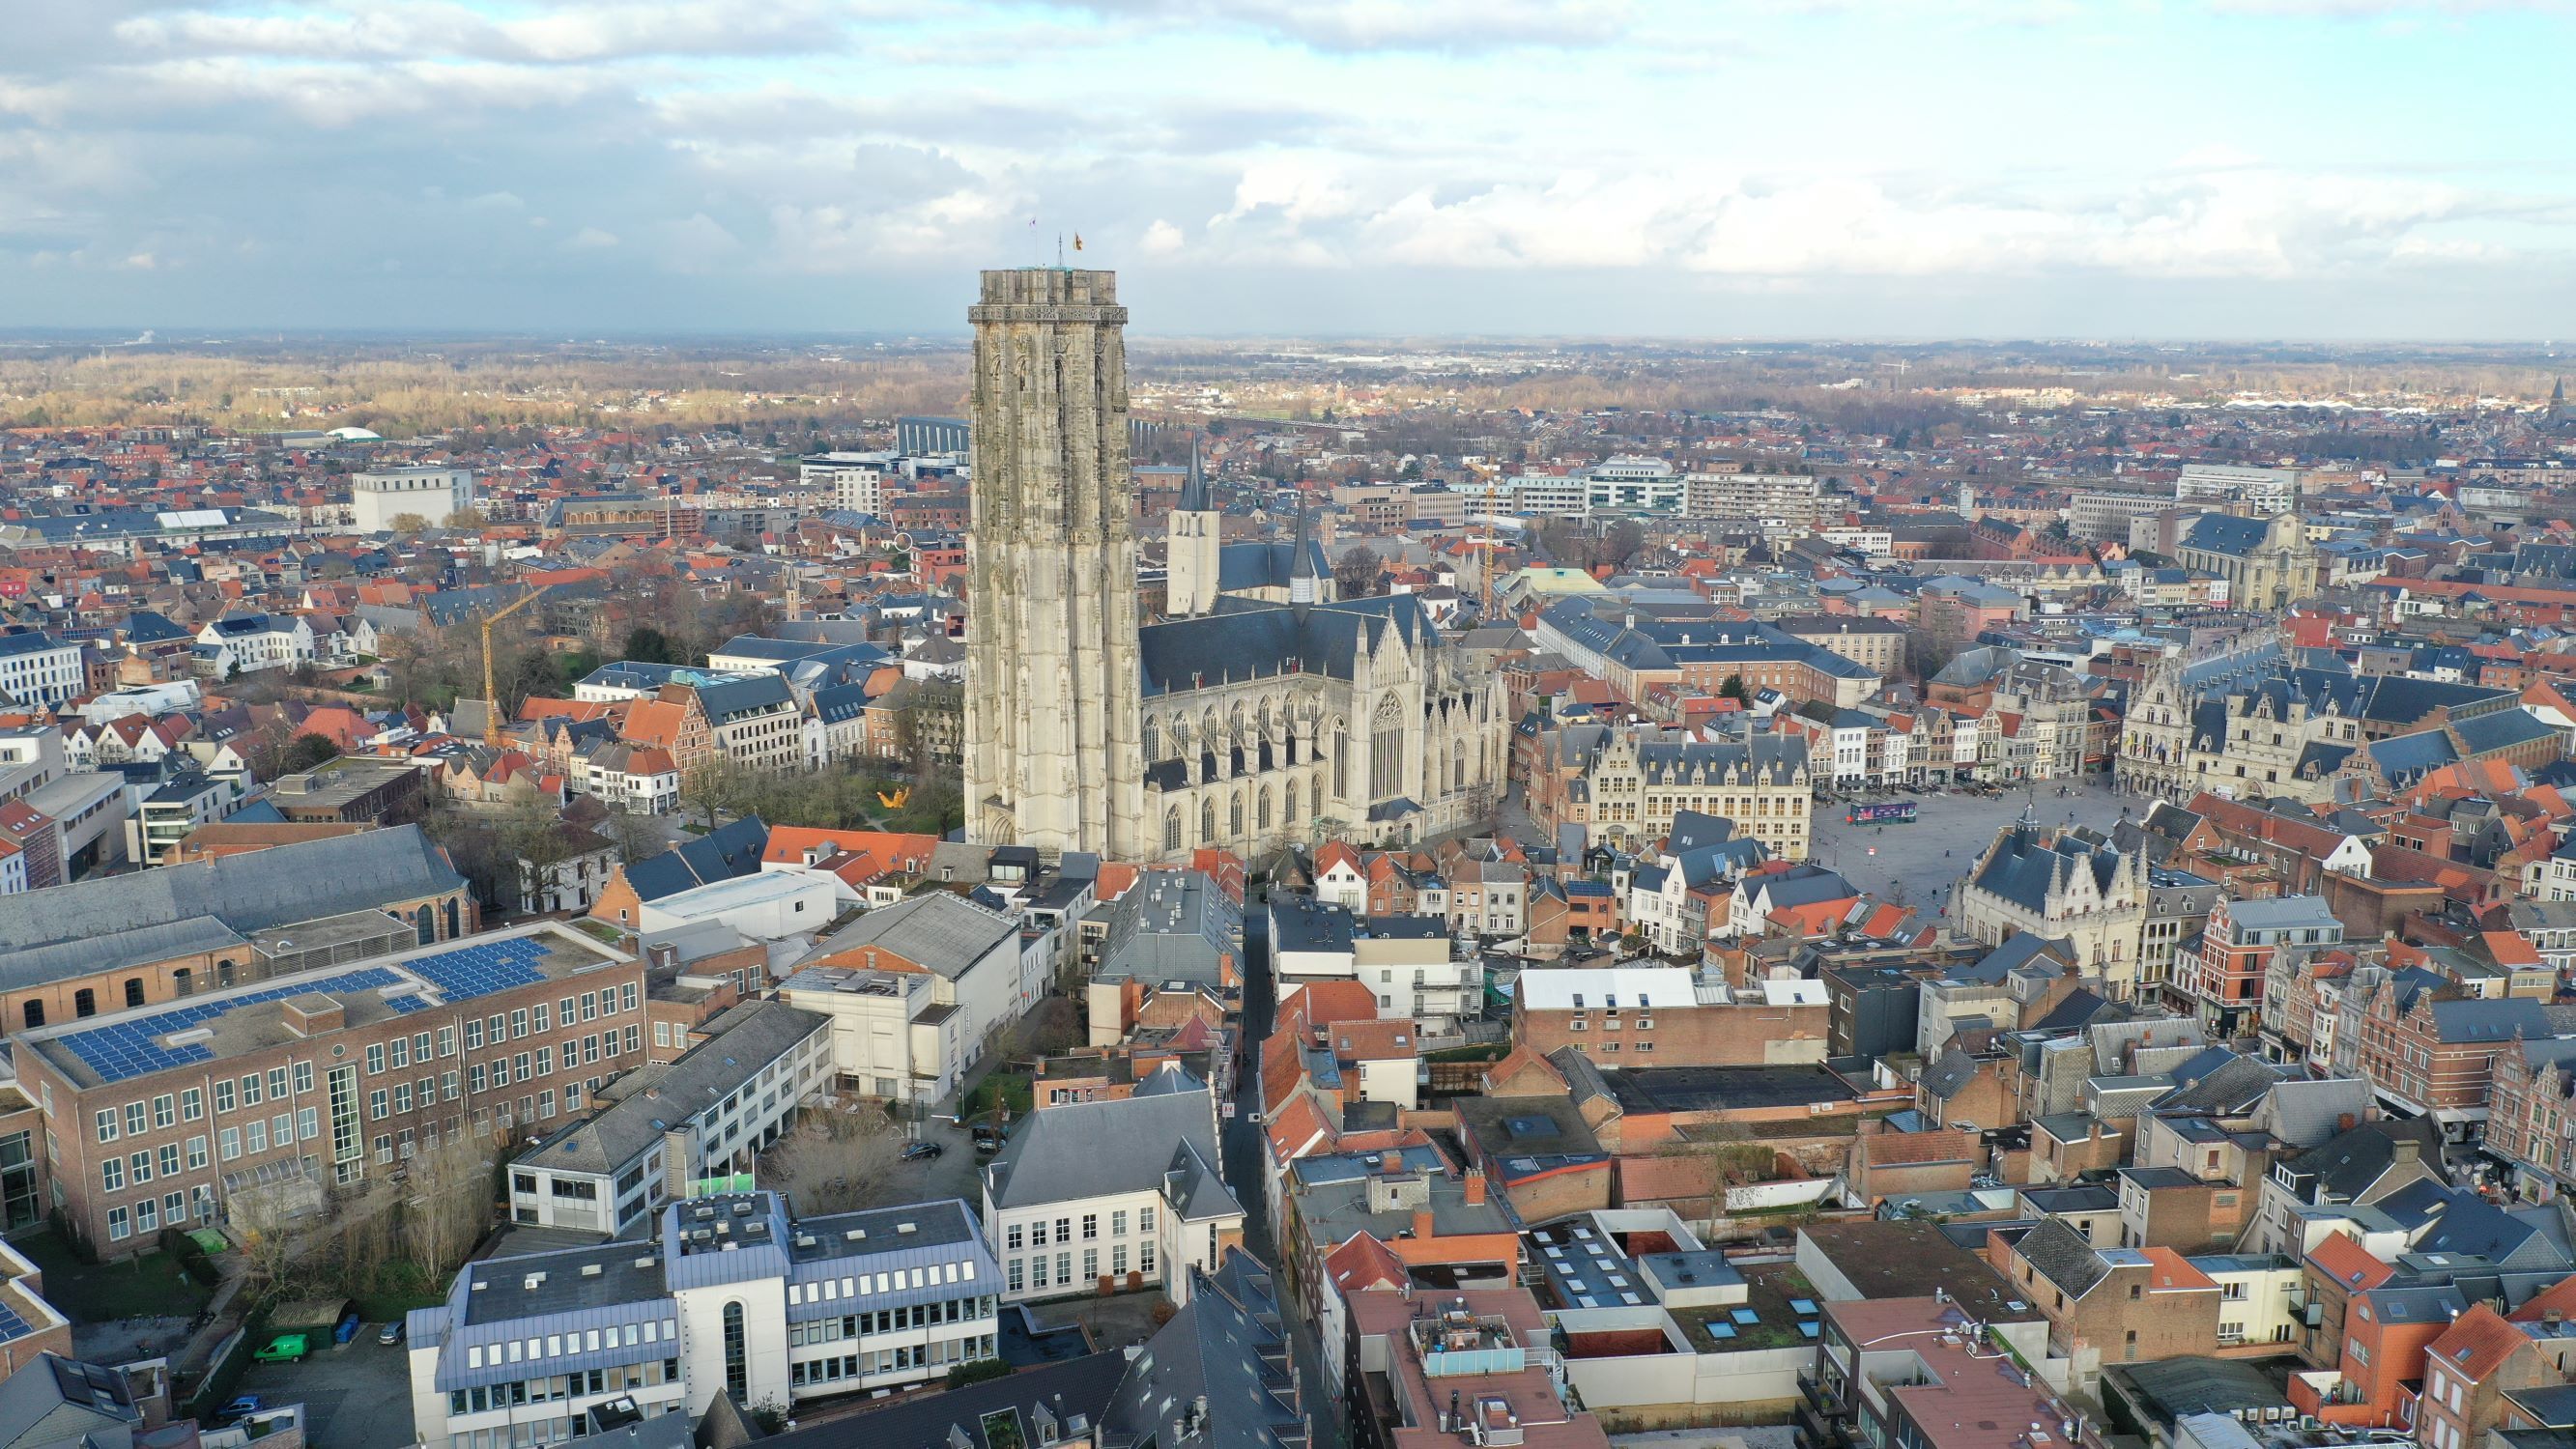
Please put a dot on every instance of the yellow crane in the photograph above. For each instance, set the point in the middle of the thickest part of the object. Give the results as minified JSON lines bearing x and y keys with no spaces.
{"x":491,"y":676}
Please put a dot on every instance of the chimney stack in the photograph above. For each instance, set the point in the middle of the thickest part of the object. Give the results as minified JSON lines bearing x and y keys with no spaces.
{"x":1422,"y":1223}
{"x":1475,"y":1187}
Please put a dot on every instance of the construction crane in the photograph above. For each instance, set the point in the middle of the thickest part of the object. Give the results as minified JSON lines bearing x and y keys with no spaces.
{"x":491,"y":676}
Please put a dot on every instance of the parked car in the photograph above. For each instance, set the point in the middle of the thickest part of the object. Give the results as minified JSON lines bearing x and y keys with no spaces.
{"x":922,"y":1151}
{"x":988,"y":1138}
{"x":244,"y":1404}
{"x":392,"y":1335}
{"x":285,"y":1348}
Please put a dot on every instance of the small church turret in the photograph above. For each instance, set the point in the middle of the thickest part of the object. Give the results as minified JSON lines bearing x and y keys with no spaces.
{"x":1190,"y":547}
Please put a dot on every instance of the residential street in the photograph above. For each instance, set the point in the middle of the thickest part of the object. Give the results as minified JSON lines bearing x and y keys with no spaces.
{"x":1243,"y":1169}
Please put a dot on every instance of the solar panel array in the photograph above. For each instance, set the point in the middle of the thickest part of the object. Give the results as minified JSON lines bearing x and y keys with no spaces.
{"x":126,"y":1049}
{"x":11,"y":1325}
{"x":483,"y":968}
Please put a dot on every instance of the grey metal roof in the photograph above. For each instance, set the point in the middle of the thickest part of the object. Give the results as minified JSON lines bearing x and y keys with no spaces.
{"x":752,"y":1036}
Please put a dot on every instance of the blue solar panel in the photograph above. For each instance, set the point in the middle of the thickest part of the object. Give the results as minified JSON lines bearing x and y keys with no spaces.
{"x":12,"y":1326}
{"x":1808,"y":1327}
{"x":483,"y":968}
{"x":1745,"y":1316}
{"x":132,"y":1048}
{"x":1721,"y":1330}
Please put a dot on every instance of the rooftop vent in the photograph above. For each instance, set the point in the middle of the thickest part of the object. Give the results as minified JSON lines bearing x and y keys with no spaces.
{"x":905,"y":1228}
{"x":590,"y":1270}
{"x":855,"y":1235}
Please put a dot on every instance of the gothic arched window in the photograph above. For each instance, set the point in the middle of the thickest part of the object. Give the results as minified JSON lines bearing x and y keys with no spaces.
{"x":1153,"y":739}
{"x":1234,"y":816}
{"x":1341,"y":761}
{"x":1263,"y":809}
{"x":1318,"y":806}
{"x":1172,"y":828}
{"x":1386,"y":750}
{"x":1207,"y":821}
{"x":1458,"y":766}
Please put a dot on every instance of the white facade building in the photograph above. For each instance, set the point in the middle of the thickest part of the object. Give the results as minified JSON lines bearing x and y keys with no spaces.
{"x":37,"y":668}
{"x":1121,"y":1193}
{"x":1633,"y":485}
{"x":732,"y":1296}
{"x":857,"y":480}
{"x":658,"y":1129}
{"x":377,"y":499}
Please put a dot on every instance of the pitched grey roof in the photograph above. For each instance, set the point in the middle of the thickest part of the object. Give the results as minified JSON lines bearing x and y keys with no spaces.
{"x":1091,"y":1149}
{"x":747,"y":1039}
{"x":2063,"y":1257}
{"x":2024,"y":864}
{"x":936,"y":930}
{"x":1227,"y":1348}
{"x":98,"y":925}
{"x":55,"y":1400}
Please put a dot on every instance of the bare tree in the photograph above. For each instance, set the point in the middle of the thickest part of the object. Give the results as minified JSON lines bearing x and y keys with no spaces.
{"x":449,"y":1204}
{"x":837,"y":1162}
{"x":1358,"y":573}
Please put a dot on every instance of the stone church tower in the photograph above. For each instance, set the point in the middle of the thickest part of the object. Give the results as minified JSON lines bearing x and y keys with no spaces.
{"x":1054,"y":744}
{"x":1190,"y":551}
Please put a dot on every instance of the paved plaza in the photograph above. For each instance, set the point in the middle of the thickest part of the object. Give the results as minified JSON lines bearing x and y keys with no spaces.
{"x":1916,"y":864}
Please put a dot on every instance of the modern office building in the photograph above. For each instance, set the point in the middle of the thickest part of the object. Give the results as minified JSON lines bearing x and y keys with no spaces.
{"x":730,"y":1296}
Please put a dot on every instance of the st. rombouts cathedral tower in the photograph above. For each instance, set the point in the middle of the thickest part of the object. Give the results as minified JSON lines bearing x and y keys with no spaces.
{"x":1054,"y":757}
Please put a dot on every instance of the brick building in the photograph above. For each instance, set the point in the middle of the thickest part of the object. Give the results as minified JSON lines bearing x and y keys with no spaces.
{"x":2108,"y":1305}
{"x":126,"y":941}
{"x":1656,"y":1017}
{"x":323,"y":1076}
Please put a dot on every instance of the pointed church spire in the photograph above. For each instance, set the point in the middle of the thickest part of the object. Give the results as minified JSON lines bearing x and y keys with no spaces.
{"x":1194,"y":489}
{"x":1301,"y":567}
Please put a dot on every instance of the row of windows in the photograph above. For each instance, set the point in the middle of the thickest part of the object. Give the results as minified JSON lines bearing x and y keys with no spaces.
{"x":148,"y":1215}
{"x":889,"y":1360}
{"x":556,"y":1345}
{"x":612,"y":1380}
{"x":831,"y":1290}
{"x":1032,"y":1272}
{"x":1037,"y":1231}
{"x":890,"y":1320}
{"x":253,"y":1088}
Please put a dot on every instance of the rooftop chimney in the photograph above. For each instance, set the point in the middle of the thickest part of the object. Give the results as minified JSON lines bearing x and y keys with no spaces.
{"x":1475,"y":1187}
{"x":1422,"y":1223}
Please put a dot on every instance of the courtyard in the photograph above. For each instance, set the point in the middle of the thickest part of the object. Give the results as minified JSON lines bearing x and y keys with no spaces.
{"x":1915,"y":864}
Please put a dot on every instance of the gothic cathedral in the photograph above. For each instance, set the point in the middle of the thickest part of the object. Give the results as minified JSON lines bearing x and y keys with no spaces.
{"x":1264,"y":713}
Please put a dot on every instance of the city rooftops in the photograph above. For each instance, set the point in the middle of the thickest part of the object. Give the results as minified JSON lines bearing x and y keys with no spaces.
{"x":102,"y":1050}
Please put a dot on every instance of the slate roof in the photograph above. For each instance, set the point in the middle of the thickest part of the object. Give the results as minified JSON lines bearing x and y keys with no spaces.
{"x":1228,"y":1346}
{"x":2490,"y":1021}
{"x":728,"y":852}
{"x":2347,"y":1164}
{"x":1092,"y":1149}
{"x":97,"y":925}
{"x":1073,"y":1388}
{"x":2063,"y":1257}
{"x":747,"y":1040}
{"x":1267,"y":639}
{"x":936,"y":930}
{"x":2025,"y":864}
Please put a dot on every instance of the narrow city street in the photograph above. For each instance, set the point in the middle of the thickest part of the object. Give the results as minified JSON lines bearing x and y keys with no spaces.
{"x":1243,"y":1172}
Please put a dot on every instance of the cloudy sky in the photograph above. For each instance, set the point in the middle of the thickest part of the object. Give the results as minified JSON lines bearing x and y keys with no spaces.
{"x":2318,"y":168}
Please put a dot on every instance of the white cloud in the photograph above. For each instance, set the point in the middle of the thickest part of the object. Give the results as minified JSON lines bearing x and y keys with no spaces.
{"x":1162,"y":239}
{"x":590,"y":239}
